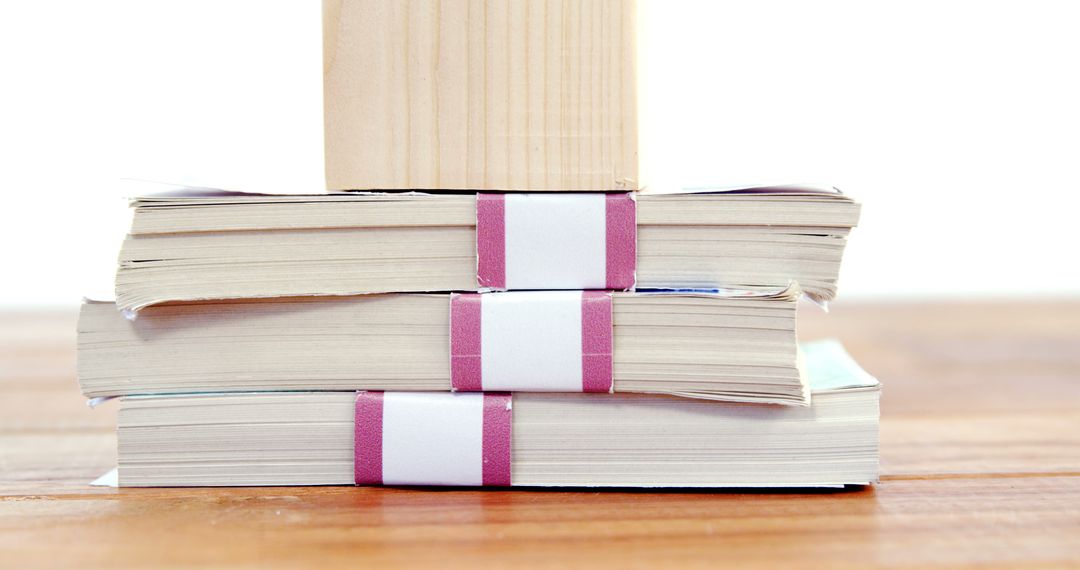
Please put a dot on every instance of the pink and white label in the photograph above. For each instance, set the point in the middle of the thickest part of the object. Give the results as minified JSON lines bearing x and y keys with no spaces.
{"x":531,"y":341}
{"x":422,"y":438}
{"x":555,"y":241}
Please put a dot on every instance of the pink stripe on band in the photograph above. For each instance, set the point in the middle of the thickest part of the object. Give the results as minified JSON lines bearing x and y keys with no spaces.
{"x":621,"y":241}
{"x":491,"y":241}
{"x":596,"y":342}
{"x":498,"y":431}
{"x":465,"y":371}
{"x":368,"y":438}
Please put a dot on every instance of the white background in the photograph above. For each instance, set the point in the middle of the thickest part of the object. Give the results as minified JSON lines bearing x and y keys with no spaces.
{"x":956,"y":123}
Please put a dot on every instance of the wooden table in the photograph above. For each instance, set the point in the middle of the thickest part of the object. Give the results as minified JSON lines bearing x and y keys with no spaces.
{"x":980,"y":446}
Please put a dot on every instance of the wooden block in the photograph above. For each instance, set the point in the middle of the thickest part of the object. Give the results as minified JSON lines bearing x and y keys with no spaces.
{"x":480,"y":94}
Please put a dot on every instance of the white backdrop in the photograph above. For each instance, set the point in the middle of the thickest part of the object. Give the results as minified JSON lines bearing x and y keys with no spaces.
{"x":956,"y":123}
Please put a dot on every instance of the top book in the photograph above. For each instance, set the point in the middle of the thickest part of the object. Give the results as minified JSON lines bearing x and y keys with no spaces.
{"x":480,"y":95}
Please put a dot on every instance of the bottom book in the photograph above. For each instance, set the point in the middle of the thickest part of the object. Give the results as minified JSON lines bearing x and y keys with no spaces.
{"x":421,"y":438}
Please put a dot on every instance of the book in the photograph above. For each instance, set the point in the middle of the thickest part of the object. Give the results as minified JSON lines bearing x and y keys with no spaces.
{"x":336,"y":438}
{"x":485,"y":95}
{"x":213,"y":245}
{"x":723,"y":347}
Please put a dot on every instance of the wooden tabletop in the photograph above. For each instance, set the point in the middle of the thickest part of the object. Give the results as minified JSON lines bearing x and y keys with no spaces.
{"x":980,"y":445}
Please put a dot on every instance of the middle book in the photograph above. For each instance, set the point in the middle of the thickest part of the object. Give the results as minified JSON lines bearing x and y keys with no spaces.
{"x":734,"y":347}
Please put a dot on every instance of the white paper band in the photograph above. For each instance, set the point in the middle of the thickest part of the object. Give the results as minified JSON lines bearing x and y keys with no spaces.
{"x":432,"y":439}
{"x":531,"y":341}
{"x":556,"y":241}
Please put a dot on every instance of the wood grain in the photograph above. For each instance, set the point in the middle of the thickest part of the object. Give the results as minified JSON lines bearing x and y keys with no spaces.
{"x":980,"y":443}
{"x":480,"y":94}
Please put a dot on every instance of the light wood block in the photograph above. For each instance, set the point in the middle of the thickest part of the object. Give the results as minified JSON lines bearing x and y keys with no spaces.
{"x":480,"y":94}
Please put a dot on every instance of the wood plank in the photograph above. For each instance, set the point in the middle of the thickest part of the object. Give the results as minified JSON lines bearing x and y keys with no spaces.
{"x":1001,"y":443}
{"x":39,"y":464}
{"x":37,"y":347}
{"x":52,"y":409}
{"x":947,"y":357}
{"x":906,"y":523}
{"x":37,"y":375}
{"x":480,"y":94}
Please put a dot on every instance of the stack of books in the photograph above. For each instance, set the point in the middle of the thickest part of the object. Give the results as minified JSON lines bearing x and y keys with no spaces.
{"x":485,"y":295}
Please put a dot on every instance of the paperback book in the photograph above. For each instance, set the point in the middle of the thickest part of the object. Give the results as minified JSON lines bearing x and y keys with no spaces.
{"x":212,"y":245}
{"x":496,"y":439}
{"x":734,"y":347}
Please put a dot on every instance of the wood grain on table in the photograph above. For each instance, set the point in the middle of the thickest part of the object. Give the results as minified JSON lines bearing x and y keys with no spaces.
{"x":980,"y":460}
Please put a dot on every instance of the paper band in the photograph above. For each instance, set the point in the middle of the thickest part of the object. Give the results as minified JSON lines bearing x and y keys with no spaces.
{"x":531,"y":341}
{"x":421,"y":438}
{"x":555,"y":241}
